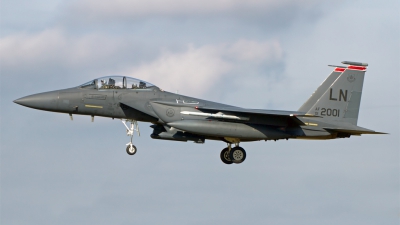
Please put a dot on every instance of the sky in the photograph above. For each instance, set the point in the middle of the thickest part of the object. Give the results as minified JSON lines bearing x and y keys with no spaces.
{"x":269,"y":54}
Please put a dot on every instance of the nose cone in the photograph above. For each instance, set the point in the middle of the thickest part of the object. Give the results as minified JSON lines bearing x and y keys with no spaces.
{"x":43,"y":101}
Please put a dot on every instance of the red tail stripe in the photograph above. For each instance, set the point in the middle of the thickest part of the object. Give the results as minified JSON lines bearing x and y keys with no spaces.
{"x":338,"y":69}
{"x":357,"y":67}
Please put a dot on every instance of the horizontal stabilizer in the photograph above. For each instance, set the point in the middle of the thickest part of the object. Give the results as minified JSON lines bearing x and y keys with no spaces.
{"x":352,"y":131}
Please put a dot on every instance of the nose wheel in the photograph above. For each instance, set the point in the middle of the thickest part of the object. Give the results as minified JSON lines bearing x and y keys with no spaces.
{"x":130,"y":148}
{"x":233,"y":155}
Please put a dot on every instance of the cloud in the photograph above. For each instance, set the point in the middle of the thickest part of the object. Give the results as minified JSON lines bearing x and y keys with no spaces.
{"x":23,"y":48}
{"x":193,"y":70}
{"x":249,"y":50}
{"x":136,"y":8}
{"x":197,"y":69}
{"x":53,"y":46}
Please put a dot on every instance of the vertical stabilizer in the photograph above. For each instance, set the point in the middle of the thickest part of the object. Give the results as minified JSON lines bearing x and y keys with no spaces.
{"x":341,"y":100}
{"x":321,"y":89}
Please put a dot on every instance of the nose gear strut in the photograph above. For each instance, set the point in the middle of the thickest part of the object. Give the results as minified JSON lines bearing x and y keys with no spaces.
{"x":131,"y":149}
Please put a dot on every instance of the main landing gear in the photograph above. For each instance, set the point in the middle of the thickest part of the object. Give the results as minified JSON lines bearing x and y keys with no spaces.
{"x":233,"y":155}
{"x":130,"y":148}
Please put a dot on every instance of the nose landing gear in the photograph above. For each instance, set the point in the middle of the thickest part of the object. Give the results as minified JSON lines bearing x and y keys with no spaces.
{"x":233,"y":155}
{"x":130,"y":148}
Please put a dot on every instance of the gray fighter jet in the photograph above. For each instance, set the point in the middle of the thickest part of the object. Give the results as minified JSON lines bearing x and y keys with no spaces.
{"x":331,"y":112}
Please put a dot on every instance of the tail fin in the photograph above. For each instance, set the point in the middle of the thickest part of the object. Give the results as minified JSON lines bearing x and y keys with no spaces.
{"x":341,"y":100}
{"x":322,"y":88}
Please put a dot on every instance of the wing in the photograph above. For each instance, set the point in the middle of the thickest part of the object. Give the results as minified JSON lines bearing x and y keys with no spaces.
{"x":262,"y":116}
{"x":229,"y":113}
{"x":254,"y":111}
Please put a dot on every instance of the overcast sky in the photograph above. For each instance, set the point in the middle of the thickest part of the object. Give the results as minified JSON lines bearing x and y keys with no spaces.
{"x":269,"y":54}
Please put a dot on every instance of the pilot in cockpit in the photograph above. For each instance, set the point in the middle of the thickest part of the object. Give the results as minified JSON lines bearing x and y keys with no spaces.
{"x":103,"y":84}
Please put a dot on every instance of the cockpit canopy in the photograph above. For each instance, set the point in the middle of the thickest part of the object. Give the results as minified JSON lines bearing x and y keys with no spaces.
{"x":117,"y":82}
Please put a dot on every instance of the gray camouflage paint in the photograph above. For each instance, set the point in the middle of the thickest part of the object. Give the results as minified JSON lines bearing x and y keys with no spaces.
{"x":331,"y":112}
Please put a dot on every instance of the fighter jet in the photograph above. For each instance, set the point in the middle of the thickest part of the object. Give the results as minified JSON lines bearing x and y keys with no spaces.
{"x":331,"y":112}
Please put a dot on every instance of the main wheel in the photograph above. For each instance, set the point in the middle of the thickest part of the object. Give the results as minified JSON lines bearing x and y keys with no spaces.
{"x":225,"y":156}
{"x":237,"y":154}
{"x":131,"y":149}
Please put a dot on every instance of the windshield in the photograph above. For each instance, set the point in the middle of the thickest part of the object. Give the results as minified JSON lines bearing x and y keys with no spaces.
{"x":117,"y":82}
